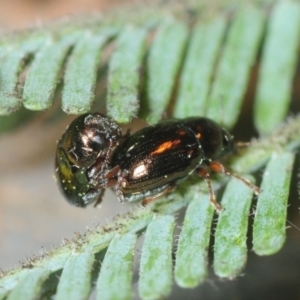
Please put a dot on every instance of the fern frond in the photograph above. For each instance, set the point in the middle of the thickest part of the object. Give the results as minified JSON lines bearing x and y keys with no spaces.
{"x":158,"y":61}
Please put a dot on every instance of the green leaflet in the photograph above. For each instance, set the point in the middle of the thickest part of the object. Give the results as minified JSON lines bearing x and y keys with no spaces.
{"x":80,"y":77}
{"x":156,"y":259}
{"x":43,"y":75}
{"x":124,"y":75}
{"x":230,"y":249}
{"x":191,"y":265}
{"x":115,"y":278}
{"x":278,"y":65}
{"x":269,"y":229}
{"x":75,"y":280}
{"x":162,"y":67}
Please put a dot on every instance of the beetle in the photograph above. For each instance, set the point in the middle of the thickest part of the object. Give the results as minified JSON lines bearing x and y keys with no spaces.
{"x":152,"y":161}
{"x":83,"y":156}
{"x":93,"y":155}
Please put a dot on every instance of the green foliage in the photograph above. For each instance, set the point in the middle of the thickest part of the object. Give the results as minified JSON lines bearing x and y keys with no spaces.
{"x":195,"y":61}
{"x":239,"y":52}
{"x":122,"y":97}
{"x":270,"y":218}
{"x":163,"y":63}
{"x":198,"y":66}
{"x":192,"y":255}
{"x":156,"y":260}
{"x":231,"y":231}
{"x":84,"y":60}
{"x":116,"y":269}
{"x":275,"y":79}
{"x":76,"y":286}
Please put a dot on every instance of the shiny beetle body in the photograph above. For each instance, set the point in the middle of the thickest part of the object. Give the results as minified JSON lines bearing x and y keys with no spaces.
{"x":83,"y":156}
{"x":92,"y":155}
{"x":155,"y":158}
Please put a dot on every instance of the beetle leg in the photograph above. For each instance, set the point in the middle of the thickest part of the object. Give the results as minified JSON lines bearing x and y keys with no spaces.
{"x":218,"y":167}
{"x":119,"y":194}
{"x":97,"y":171}
{"x":113,"y":172}
{"x":109,"y":179}
{"x":120,"y":182}
{"x":212,"y":197}
{"x":146,"y":201}
{"x":99,"y":199}
{"x":93,"y":194}
{"x":108,"y":154}
{"x":119,"y":185}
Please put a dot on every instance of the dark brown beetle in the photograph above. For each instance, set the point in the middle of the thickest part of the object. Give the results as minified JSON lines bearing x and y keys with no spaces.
{"x":150,"y":162}
{"x":93,"y":155}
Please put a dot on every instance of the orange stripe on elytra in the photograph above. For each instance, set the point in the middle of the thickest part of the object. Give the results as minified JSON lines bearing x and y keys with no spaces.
{"x":165,"y":146}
